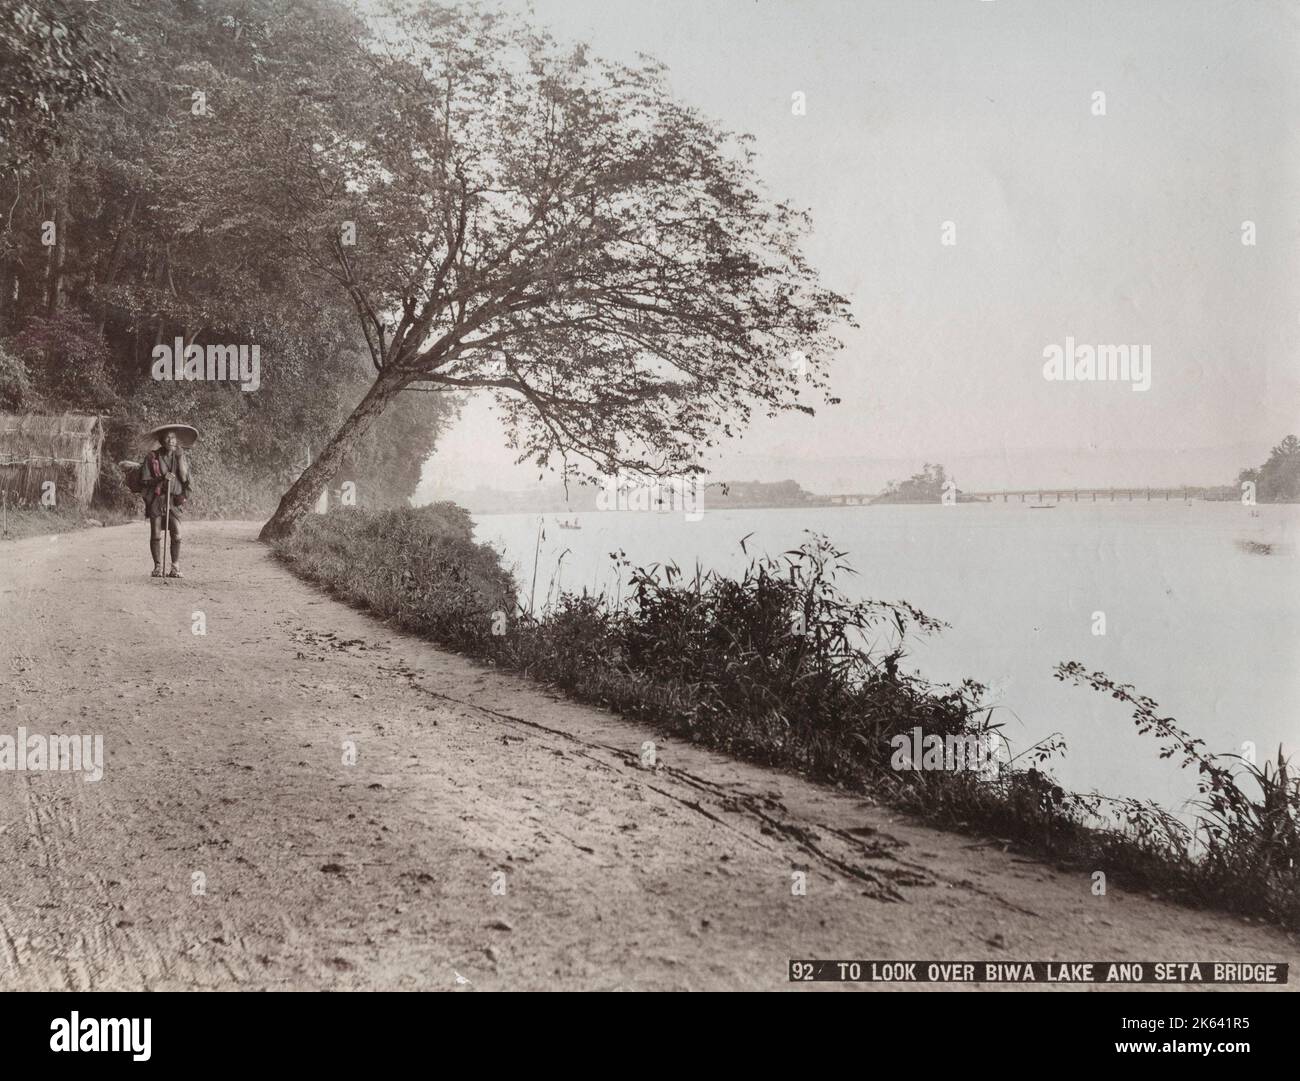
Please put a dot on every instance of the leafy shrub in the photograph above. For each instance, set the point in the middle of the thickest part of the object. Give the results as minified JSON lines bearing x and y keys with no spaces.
{"x":15,"y":381}
{"x":418,"y":566}
{"x":1245,"y":838}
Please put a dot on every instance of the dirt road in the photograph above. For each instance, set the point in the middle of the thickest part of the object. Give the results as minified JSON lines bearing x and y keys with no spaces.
{"x":487,"y":835}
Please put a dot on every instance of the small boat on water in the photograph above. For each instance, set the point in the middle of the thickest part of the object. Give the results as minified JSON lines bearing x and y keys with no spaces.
{"x":574,"y":524}
{"x":1042,"y":506}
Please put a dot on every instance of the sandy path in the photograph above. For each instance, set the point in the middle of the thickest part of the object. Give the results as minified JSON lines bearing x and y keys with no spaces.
{"x":224,"y":757}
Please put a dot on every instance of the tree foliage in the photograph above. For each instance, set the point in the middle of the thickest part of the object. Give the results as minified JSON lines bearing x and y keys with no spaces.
{"x":1278,"y":479}
{"x":924,"y":487}
{"x":53,"y":57}
{"x":545,"y":225}
{"x":146,"y":250}
{"x":434,"y":199}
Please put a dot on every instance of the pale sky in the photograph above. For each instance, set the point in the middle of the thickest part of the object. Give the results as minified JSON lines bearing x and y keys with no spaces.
{"x":1122,"y":228}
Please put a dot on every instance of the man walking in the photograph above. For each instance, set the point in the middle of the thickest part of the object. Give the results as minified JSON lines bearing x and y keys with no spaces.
{"x":165,"y":483}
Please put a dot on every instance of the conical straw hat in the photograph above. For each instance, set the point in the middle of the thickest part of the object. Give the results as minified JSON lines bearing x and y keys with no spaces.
{"x":185,"y":433}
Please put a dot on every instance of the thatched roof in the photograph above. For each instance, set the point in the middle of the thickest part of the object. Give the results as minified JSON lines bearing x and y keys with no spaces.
{"x":63,"y":447}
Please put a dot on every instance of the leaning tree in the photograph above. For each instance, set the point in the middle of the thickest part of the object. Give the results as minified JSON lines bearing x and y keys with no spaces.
{"x":509,"y":214}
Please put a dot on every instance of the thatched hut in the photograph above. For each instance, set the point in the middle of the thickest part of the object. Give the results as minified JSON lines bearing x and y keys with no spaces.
{"x":64,"y":448}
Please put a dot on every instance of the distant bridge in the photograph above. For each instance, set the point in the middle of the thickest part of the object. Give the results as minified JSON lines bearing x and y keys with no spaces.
{"x":1057,"y":495}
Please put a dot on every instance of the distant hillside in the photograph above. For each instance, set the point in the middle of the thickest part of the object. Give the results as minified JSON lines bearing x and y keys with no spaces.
{"x":753,"y":493}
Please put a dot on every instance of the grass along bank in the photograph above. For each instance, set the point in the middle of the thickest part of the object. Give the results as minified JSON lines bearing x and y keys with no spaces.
{"x":18,"y":522}
{"x":779,"y":667}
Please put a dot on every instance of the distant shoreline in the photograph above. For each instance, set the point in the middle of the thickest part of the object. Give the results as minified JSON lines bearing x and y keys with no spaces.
{"x":827,"y":505}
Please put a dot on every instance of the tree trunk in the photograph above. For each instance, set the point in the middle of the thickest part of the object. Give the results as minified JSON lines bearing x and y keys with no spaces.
{"x":300,"y":498}
{"x":115,"y":263}
{"x":8,"y":278}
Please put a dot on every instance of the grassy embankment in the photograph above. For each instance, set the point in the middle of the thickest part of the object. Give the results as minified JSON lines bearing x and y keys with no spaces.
{"x":18,"y":522}
{"x":777,"y":666}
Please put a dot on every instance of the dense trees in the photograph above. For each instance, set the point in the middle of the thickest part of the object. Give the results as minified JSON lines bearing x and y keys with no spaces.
{"x":1278,"y":479}
{"x":53,"y":56}
{"x":113,"y":238}
{"x":395,"y":209}
{"x":926,"y":486}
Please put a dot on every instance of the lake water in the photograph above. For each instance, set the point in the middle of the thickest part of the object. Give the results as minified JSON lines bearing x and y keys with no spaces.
{"x":1194,"y":618}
